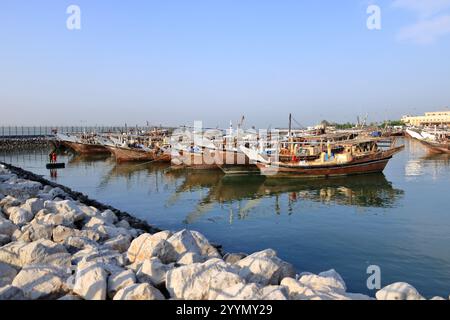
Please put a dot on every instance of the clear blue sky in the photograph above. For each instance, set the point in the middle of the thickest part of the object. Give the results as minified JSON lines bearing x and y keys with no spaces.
{"x":173,"y":62}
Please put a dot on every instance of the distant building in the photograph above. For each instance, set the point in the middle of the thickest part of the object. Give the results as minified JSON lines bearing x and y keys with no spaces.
{"x":437,"y":118}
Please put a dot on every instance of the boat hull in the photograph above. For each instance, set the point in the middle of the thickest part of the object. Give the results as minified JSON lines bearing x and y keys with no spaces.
{"x":193,"y":160}
{"x":84,"y":148}
{"x":370,"y":164}
{"x":436,"y":147}
{"x":132,"y":155}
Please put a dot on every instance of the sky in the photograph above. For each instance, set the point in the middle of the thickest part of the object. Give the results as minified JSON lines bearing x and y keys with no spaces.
{"x":175,"y":61}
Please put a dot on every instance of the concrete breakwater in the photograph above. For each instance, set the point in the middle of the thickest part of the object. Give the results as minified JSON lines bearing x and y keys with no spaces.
{"x":56,"y":243}
{"x":26,"y":142}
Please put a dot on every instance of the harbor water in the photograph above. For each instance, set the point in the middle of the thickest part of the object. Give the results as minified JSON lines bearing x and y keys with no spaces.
{"x":399,"y":220}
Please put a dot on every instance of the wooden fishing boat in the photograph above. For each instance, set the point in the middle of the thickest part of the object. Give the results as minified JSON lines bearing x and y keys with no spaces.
{"x":235,"y":162}
{"x":85,"y":148}
{"x":129,"y":154}
{"x":437,"y":142}
{"x":437,"y":146}
{"x":198,"y":160}
{"x":84,"y":144}
{"x":358,"y":157}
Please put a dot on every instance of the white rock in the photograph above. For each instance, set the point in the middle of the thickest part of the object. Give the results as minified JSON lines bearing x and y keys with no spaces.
{"x":109,"y":217}
{"x":9,"y":201}
{"x":20,"y":188}
{"x":123,"y":224}
{"x":19,"y":254}
{"x":120,"y":243}
{"x":240,"y":291}
{"x":190,"y":258}
{"x":146,"y":246}
{"x":41,"y":282}
{"x":19,"y":216}
{"x":201,"y":281}
{"x":7,"y":274}
{"x":11,"y":293}
{"x":318,"y":289}
{"x":296,"y":290}
{"x":274,"y":293}
{"x":4,"y":239}
{"x":206,"y":249}
{"x":142,"y":291}
{"x":91,"y":282}
{"x":61,"y":233}
{"x":70,"y":297}
{"x":105,"y":231}
{"x":33,"y":205}
{"x":35,"y":230}
{"x":398,"y":291}
{"x":437,"y":298}
{"x":192,"y":241}
{"x":54,"y":192}
{"x":120,"y":280}
{"x":330,"y":279}
{"x":234,"y":257}
{"x":153,"y":271}
{"x":110,"y":260}
{"x":264,"y":268}
{"x":65,"y":218}
{"x":163,"y":235}
{"x":74,"y":244}
{"x":7,"y":227}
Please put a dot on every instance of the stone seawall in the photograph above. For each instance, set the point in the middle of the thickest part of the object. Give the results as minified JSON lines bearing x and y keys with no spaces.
{"x":19,"y":143}
{"x":56,"y":243}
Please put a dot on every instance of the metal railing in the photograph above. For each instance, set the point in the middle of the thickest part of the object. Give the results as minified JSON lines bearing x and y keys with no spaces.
{"x":36,"y":131}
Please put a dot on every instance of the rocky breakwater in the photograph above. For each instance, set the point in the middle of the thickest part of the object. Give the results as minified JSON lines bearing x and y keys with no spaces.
{"x":25,"y":142}
{"x":53,"y":246}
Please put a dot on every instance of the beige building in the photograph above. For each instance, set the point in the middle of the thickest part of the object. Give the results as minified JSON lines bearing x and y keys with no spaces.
{"x":436,"y":118}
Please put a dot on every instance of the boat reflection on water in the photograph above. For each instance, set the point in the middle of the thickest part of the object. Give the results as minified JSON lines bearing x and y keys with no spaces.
{"x":212,"y":188}
{"x":249,"y":191}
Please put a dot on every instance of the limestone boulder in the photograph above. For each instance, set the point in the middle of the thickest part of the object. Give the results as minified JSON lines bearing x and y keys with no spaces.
{"x":110,"y":260}
{"x":153,"y":271}
{"x":91,"y":282}
{"x":194,"y":242}
{"x":9,"y":201}
{"x":264,"y":268}
{"x":146,"y":246}
{"x":41,"y":282}
{"x":36,"y":230}
{"x":33,"y":205}
{"x":329,"y":279}
{"x":7,"y":274}
{"x":19,"y":254}
{"x":11,"y":293}
{"x":19,"y":216}
{"x":121,"y":243}
{"x":190,"y":258}
{"x":7,"y":227}
{"x":142,"y":291}
{"x":234,"y":257}
{"x":4,"y":239}
{"x":274,"y":293}
{"x":61,"y":233}
{"x":77,"y":243}
{"x":20,"y":188}
{"x":120,"y":280}
{"x":201,"y":281}
{"x":109,"y":217}
{"x":399,"y":291}
{"x":240,"y":291}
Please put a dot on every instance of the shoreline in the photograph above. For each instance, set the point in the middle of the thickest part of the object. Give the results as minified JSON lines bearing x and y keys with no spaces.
{"x":77,"y":243}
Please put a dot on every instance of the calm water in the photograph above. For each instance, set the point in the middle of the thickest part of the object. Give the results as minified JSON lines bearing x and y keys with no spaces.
{"x":398,"y":220}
